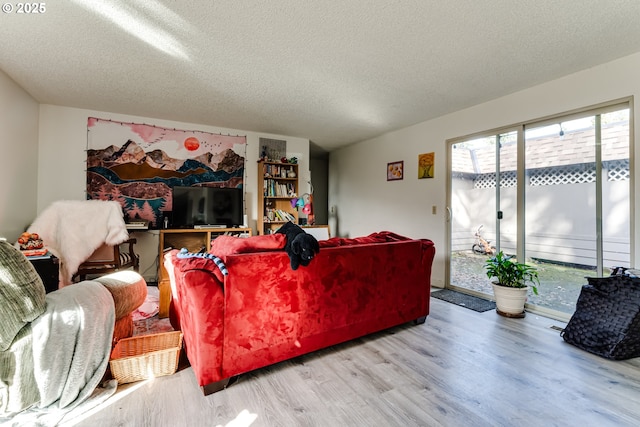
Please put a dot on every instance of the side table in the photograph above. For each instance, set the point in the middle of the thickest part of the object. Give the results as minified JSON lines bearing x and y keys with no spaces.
{"x":47,"y":267}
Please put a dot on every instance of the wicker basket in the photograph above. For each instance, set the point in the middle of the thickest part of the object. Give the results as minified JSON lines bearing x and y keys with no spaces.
{"x":146,"y":356}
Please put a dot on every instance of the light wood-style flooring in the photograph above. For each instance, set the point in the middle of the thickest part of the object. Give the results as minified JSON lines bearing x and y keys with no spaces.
{"x":460,"y":368}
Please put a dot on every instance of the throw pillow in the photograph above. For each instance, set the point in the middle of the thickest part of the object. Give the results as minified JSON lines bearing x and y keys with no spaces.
{"x":22,"y":293}
{"x":229,"y":245}
{"x":380,"y":237}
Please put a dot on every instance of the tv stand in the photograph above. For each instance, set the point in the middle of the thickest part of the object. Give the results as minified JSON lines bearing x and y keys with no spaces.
{"x":195,"y":240}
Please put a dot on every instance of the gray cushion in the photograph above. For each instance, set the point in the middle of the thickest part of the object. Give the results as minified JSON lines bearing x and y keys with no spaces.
{"x":22,"y":293}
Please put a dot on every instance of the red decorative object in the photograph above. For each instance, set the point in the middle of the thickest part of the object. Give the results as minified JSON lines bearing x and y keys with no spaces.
{"x":191,"y":143}
{"x":31,"y":242}
{"x":263,"y":312}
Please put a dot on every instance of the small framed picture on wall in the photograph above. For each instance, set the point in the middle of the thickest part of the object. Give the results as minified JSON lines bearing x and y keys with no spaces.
{"x":426,"y":163}
{"x":395,"y":171}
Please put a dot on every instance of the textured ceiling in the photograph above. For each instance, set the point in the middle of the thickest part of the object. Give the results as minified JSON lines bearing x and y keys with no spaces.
{"x":335,"y":72}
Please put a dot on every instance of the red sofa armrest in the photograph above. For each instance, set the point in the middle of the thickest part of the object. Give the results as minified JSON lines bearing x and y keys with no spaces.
{"x":197,"y":307}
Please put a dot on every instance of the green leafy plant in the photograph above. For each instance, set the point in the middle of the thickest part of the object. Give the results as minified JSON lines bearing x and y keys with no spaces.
{"x":508,"y":272}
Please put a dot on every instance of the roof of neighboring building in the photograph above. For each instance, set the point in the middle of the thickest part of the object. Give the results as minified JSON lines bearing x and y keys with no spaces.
{"x":543,"y":152}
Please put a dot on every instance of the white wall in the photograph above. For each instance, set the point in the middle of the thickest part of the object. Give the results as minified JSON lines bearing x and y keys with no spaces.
{"x":19,"y":161}
{"x":366,"y":202}
{"x":62,"y":168}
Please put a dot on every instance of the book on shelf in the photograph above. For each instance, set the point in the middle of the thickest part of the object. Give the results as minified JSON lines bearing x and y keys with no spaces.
{"x":284,"y":215}
{"x":278,"y":171}
{"x":137,"y":224}
{"x":36,"y":253}
{"x":277,"y":189}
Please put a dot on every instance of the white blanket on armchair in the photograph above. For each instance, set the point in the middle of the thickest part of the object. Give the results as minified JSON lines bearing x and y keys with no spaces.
{"x":73,"y":229}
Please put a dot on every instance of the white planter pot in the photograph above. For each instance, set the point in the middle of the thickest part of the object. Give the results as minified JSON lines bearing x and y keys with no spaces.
{"x":510,"y":301}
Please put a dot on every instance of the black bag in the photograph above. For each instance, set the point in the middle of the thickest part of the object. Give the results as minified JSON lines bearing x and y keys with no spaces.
{"x":607,"y":317}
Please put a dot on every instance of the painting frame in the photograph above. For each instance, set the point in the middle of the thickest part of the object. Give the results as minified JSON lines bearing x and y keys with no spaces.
{"x":395,"y":170}
{"x":426,"y":165}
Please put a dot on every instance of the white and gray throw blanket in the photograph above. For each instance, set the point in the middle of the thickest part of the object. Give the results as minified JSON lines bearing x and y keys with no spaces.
{"x":55,"y":363}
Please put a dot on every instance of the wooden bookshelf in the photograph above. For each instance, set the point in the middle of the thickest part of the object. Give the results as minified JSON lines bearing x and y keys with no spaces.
{"x":277,"y":189}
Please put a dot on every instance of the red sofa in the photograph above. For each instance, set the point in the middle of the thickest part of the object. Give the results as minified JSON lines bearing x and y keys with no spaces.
{"x":263,"y":312}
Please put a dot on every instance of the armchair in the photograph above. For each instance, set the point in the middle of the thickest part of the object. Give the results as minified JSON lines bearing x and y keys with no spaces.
{"x":107,"y":259}
{"x":55,"y":347}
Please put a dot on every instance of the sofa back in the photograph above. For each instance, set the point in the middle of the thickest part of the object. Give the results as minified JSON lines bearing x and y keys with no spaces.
{"x":274,"y":313}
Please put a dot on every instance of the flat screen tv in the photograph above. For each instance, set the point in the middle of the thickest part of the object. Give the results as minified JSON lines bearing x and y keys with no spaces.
{"x":207,"y":206}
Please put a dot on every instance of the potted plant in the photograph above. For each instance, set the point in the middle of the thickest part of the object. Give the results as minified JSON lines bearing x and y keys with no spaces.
{"x":510,"y":283}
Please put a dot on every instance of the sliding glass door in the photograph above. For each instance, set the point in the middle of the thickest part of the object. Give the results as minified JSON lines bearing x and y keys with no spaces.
{"x":577,"y":196}
{"x":555,"y":193}
{"x":483,"y":206}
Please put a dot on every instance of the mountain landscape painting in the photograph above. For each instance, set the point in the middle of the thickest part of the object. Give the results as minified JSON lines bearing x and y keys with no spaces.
{"x":139,"y":164}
